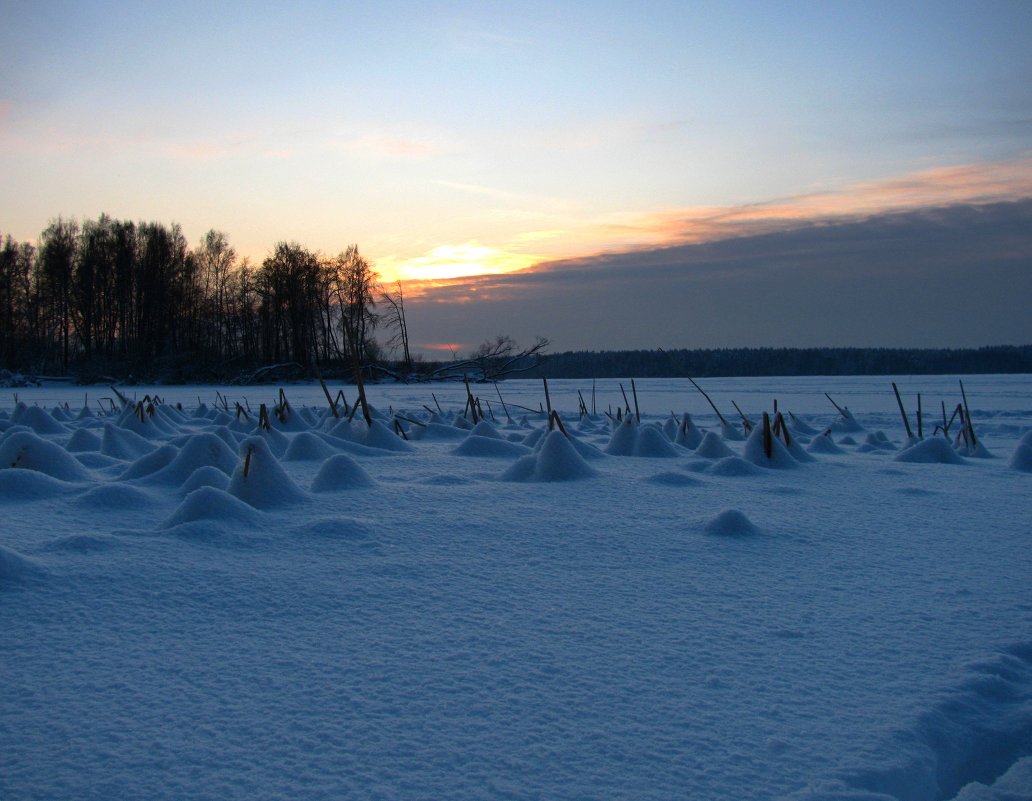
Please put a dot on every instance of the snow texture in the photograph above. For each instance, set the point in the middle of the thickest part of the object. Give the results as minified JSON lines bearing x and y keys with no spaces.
{"x":503,"y":611}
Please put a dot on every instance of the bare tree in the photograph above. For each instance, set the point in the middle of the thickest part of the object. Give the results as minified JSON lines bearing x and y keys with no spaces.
{"x":498,"y":358}
{"x":216,"y":259}
{"x":394,"y":320}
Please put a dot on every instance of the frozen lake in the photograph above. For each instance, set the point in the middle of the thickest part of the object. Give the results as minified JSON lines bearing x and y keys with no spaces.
{"x":504,"y":613}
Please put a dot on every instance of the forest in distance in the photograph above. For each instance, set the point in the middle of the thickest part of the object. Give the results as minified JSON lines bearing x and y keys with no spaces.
{"x":112,"y":300}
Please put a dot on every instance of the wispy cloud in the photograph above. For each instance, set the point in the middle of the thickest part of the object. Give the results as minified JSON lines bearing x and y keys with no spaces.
{"x":981,"y":183}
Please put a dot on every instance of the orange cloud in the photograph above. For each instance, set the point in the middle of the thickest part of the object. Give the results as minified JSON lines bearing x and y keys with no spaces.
{"x":988,"y":182}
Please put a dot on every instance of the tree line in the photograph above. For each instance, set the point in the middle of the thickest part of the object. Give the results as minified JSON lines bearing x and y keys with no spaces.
{"x":699,"y":363}
{"x":114,"y":296}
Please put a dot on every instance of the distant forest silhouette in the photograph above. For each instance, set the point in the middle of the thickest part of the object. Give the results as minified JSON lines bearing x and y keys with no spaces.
{"x":784,"y":361}
{"x":111,"y":299}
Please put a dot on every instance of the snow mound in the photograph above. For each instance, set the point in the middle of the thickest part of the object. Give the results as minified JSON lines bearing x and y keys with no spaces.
{"x":1022,"y":458}
{"x":130,"y":420}
{"x":877,"y":440}
{"x":624,"y":438}
{"x":151,"y":463}
{"x":731,"y":523}
{"x":206,"y":476}
{"x":688,"y":434}
{"x":308,"y":447}
{"x":976,"y":451}
{"x":556,"y":460}
{"x":266,"y":484}
{"x":730,"y":433}
{"x":380,"y":437}
{"x":733,"y":467}
{"x":485,"y":429}
{"x":200,"y":450}
{"x":930,"y":451}
{"x":122,"y":444}
{"x":653,"y":443}
{"x":823,"y":443}
{"x":630,"y":439}
{"x":83,"y":441}
{"x":846,"y":423}
{"x":712,"y":446}
{"x":341,"y":472}
{"x":779,"y":459}
{"x":276,"y":440}
{"x":488,"y":446}
{"x":213,"y":505}
{"x":800,"y":426}
{"x":41,"y":421}
{"x":114,"y":496}
{"x":29,"y":485}
{"x":29,"y":451}
{"x":16,"y":568}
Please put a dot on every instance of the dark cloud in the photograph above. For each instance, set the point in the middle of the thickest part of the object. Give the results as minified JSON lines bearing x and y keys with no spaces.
{"x":950,"y":276}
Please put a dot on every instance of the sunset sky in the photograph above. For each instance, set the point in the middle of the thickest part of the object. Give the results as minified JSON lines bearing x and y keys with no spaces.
{"x":462,"y":139}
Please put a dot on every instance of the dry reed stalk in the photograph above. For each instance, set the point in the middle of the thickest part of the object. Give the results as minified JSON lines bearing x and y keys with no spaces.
{"x":471,"y":404}
{"x":554,"y":421}
{"x":747,"y":424}
{"x":504,"y":407}
{"x":627,"y":404}
{"x":121,"y":398}
{"x":781,"y":429}
{"x":967,"y":415}
{"x":326,"y":391}
{"x":710,"y":401}
{"x":902,"y":412}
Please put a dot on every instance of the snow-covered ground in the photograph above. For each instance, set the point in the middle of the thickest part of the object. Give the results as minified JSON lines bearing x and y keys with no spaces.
{"x":641,"y":612}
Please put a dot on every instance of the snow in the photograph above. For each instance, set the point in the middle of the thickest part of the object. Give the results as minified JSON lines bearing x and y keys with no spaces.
{"x":502,"y":611}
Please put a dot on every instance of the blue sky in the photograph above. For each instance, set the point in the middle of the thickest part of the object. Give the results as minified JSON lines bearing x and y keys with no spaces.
{"x":451,"y":138}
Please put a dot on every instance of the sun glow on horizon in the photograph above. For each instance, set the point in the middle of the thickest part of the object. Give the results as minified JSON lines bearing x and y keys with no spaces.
{"x":446,"y":262}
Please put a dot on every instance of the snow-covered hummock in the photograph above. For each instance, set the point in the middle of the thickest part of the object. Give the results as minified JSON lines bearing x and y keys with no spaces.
{"x":631,"y":439}
{"x":934,"y":450}
{"x":28,"y":451}
{"x":555,"y":459}
{"x":266,"y":485}
{"x":1022,"y":458}
{"x":308,"y":447}
{"x":341,"y":472}
{"x":753,"y":451}
{"x":731,"y":523}
{"x":846,"y":423}
{"x":824,"y":444}
{"x":687,"y":433}
{"x":712,"y":446}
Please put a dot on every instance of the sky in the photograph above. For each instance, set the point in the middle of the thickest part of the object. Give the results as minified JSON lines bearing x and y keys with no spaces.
{"x":458,"y":141}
